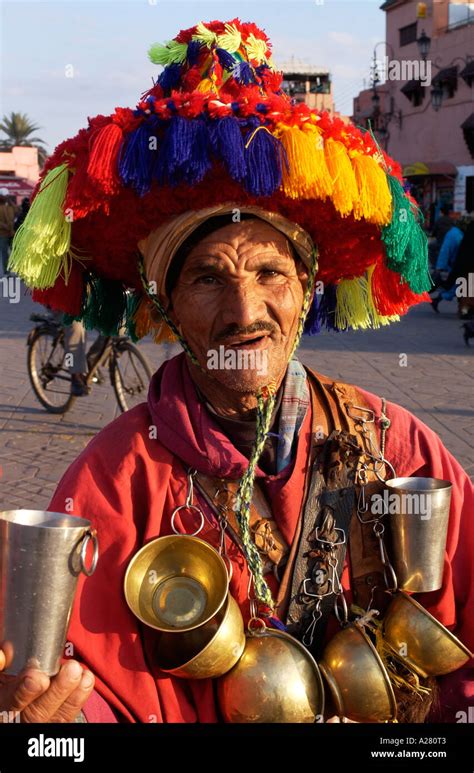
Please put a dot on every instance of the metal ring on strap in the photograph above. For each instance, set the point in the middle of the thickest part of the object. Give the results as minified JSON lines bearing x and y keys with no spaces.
{"x":188,"y":507}
{"x":90,"y":535}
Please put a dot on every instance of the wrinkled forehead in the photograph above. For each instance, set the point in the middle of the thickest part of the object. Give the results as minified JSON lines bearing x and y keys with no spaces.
{"x":162,"y":245}
{"x":249,"y":237}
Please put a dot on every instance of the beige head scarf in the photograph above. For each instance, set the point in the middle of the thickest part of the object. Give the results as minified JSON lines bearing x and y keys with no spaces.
{"x":160,"y":247}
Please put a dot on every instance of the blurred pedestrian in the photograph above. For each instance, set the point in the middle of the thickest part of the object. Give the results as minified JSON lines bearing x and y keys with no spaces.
{"x":442,"y":225}
{"x":22,"y":213}
{"x":463,"y":268}
{"x":446,"y":259}
{"x":7,"y":217}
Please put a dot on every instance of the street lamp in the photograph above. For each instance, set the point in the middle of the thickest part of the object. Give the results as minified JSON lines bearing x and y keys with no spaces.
{"x":424,"y":43}
{"x":436,"y":96}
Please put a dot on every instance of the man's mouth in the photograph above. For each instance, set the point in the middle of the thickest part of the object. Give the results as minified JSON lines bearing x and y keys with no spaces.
{"x":249,"y":342}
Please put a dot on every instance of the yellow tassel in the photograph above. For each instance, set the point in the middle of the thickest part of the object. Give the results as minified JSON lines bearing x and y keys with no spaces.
{"x":355,"y":307}
{"x":205,"y":85}
{"x":307,"y":175}
{"x":351,"y":304}
{"x":42,"y":243}
{"x":231,"y":39}
{"x":205,"y":35}
{"x":374,"y":202}
{"x":256,"y":48}
{"x":345,"y":192}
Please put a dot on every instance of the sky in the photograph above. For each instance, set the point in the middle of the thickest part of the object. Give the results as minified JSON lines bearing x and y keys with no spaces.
{"x":65,"y":60}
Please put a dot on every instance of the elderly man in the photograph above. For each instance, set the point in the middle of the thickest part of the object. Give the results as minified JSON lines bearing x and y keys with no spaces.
{"x":229,"y":264}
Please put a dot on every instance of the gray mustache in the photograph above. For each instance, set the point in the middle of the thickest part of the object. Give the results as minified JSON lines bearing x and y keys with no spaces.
{"x":231,"y":331}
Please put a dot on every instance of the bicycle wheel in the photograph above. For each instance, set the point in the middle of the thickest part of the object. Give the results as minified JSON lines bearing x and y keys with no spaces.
{"x":50,"y":379}
{"x":130,"y":374}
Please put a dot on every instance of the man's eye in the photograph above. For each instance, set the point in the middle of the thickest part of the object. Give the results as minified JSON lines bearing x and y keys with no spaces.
{"x":207,"y":279}
{"x":269,"y":273}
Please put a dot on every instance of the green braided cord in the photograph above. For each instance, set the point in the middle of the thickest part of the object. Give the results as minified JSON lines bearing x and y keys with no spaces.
{"x":245,"y":491}
{"x":167,"y":318}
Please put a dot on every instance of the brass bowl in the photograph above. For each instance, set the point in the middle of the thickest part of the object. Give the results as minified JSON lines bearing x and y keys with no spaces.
{"x":431,"y":649}
{"x":275,"y":680}
{"x":208,"y":651}
{"x":358,"y":680}
{"x":176,"y":583}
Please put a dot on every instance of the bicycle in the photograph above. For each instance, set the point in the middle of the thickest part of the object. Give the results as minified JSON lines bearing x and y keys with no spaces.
{"x":129,"y":370}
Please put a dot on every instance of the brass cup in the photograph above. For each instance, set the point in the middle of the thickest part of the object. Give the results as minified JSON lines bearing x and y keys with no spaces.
{"x":176,"y":583}
{"x":431,"y":649}
{"x":208,"y":651}
{"x":358,"y":680}
{"x":275,"y":680}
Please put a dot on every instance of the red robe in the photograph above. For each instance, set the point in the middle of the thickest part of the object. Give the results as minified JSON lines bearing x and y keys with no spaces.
{"x":130,"y":478}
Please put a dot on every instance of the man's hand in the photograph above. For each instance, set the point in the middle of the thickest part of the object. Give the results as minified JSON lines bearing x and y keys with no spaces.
{"x":40,"y":698}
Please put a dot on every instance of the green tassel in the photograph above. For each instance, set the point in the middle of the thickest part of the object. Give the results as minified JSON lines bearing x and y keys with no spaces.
{"x":41,"y":244}
{"x":133,"y":300}
{"x":104,"y":306}
{"x":406,"y":245}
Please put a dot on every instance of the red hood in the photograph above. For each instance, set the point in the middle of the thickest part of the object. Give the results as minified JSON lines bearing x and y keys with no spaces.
{"x":186,"y":428}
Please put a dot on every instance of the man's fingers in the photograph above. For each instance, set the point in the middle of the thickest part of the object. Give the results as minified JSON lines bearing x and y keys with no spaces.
{"x":3,"y":660}
{"x":72,"y":706}
{"x":61,"y":687}
{"x":17,"y":692}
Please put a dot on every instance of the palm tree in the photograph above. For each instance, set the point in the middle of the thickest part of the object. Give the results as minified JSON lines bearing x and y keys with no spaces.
{"x":19,"y":128}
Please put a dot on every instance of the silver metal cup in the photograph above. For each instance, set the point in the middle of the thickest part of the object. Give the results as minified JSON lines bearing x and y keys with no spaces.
{"x":418,"y":511}
{"x":41,"y":557}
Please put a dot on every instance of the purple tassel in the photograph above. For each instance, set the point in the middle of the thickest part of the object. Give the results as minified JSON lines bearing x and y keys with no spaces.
{"x":243,"y":73}
{"x":228,"y":145}
{"x":225,"y":59}
{"x":138,"y":156}
{"x":184,"y":152}
{"x":263,"y":159}
{"x":170,"y":76}
{"x":322,"y":312}
{"x":192,"y":55}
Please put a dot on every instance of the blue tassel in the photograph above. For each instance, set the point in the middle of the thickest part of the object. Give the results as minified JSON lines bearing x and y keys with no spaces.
{"x":225,"y":59}
{"x":194,"y":47}
{"x":276,"y":623}
{"x":322,"y":312}
{"x":243,"y":73}
{"x":137,"y":158}
{"x":263,"y":158}
{"x":170,"y":77}
{"x":228,"y":145}
{"x":184,"y":152}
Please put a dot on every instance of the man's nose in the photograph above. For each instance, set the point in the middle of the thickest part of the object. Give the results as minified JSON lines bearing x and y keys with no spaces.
{"x":242,"y":305}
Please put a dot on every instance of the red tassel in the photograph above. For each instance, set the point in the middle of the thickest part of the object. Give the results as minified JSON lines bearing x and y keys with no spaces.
{"x":391,"y":294}
{"x":102,"y":166}
{"x":62,"y":296}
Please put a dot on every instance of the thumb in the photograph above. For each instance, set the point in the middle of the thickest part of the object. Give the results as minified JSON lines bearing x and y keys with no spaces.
{"x":3,"y":660}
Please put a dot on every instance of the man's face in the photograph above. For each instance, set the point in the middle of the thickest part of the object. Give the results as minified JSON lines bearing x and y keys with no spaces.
{"x":237,"y":303}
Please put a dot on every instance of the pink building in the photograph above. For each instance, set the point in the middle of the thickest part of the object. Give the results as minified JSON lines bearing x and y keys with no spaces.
{"x":423,"y":107}
{"x":19,"y":170}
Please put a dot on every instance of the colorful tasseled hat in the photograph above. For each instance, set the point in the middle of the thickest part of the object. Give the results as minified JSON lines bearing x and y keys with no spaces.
{"x":216,"y":127}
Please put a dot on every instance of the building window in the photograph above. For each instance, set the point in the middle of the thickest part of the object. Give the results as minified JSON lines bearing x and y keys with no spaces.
{"x":460,"y":13}
{"x":470,"y":194}
{"x":408,"y":34}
